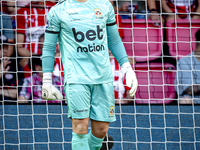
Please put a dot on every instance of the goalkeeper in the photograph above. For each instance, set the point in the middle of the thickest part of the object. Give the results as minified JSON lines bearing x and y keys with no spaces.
{"x":85,"y":29}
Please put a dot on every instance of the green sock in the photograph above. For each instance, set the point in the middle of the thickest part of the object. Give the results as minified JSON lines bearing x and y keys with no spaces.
{"x":94,"y":142}
{"x":80,"y":141}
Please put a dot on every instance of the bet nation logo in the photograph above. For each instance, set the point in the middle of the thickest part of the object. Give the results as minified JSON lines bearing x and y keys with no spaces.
{"x":98,"y":12}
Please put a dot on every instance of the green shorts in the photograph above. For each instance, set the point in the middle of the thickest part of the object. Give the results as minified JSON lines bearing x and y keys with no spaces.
{"x":95,"y":101}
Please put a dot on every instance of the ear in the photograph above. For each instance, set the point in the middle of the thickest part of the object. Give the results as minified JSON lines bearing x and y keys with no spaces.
{"x":35,"y":67}
{"x":197,"y":44}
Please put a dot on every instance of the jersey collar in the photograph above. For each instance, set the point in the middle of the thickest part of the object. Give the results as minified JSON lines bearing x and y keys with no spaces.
{"x":81,"y":2}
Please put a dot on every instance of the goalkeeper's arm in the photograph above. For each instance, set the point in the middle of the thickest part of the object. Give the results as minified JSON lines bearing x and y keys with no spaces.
{"x":117,"y":48}
{"x":49,"y":92}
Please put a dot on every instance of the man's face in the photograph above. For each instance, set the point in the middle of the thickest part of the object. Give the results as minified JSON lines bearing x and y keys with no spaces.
{"x":125,"y":6}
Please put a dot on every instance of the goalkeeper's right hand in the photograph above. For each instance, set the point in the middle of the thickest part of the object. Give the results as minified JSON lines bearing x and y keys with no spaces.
{"x":50,"y":92}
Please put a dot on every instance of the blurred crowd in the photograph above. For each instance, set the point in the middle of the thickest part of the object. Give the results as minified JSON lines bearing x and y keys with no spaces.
{"x":22,"y":27}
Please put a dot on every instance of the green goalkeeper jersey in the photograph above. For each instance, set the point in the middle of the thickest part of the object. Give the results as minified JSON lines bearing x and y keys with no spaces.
{"x":81,"y":28}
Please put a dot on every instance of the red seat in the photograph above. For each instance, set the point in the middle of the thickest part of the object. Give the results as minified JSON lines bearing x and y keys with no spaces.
{"x":141,"y":39}
{"x":181,"y":37}
{"x":155,"y":83}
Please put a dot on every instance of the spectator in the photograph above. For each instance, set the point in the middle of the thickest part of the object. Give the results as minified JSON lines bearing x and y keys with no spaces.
{"x":188,"y":76}
{"x":6,"y":91}
{"x":9,"y":8}
{"x":7,"y":29}
{"x":8,"y":75}
{"x":154,"y":13}
{"x":182,"y":8}
{"x":128,"y":9}
{"x":30,"y":25}
{"x":125,"y":13}
{"x":32,"y":86}
{"x":8,"y":79}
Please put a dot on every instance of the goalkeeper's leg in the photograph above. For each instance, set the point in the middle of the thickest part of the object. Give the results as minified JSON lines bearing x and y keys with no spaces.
{"x":98,"y":132}
{"x":102,"y":112}
{"x":79,"y":135}
{"x":78,"y":100}
{"x":92,"y":141}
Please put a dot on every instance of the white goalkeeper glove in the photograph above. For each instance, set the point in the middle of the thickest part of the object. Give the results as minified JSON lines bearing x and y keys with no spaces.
{"x":50,"y":92}
{"x":131,"y":80}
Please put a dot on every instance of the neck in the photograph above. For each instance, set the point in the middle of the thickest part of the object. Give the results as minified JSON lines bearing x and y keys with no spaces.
{"x":81,"y":1}
{"x":197,"y":50}
{"x":41,"y":76}
{"x":40,"y":5}
{"x":197,"y":53}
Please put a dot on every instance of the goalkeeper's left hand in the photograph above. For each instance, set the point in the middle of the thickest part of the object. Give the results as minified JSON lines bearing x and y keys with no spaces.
{"x":49,"y":91}
{"x":131,"y":80}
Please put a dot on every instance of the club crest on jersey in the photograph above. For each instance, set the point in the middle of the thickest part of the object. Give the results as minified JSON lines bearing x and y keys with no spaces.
{"x":98,"y":13}
{"x":112,"y":110}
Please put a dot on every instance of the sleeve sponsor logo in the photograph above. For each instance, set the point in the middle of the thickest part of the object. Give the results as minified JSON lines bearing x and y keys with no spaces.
{"x":47,"y":25}
{"x":112,"y":110}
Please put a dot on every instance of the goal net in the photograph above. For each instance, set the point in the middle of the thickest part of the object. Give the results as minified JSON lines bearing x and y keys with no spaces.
{"x":162,"y":40}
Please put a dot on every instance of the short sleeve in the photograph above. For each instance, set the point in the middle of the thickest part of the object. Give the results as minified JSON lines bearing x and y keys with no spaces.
{"x":21,"y":23}
{"x":53,"y":24}
{"x":111,"y":16}
{"x":7,"y":27}
{"x":183,"y":75}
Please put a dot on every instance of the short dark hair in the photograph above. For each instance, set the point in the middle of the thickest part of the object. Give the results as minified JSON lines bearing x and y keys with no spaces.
{"x":35,"y":60}
{"x":197,"y":35}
